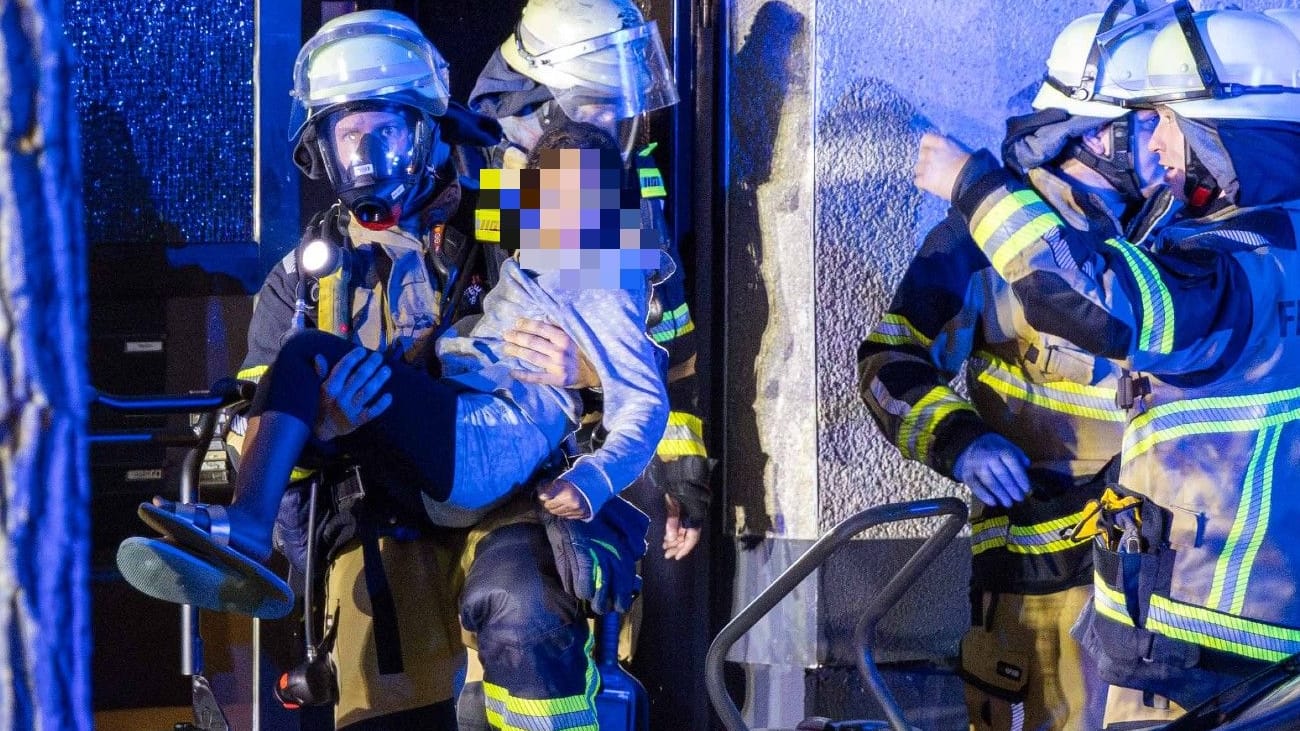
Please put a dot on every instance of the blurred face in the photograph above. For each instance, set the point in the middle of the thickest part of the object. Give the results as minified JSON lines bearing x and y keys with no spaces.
{"x":1170,"y":147}
{"x":567,"y":216}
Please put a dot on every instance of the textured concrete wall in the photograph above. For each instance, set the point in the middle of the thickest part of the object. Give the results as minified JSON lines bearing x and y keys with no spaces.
{"x":827,"y":101}
{"x":886,"y":71}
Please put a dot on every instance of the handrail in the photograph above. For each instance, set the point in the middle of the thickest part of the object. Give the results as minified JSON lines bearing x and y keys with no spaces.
{"x":224,"y":393}
{"x":814,"y":557}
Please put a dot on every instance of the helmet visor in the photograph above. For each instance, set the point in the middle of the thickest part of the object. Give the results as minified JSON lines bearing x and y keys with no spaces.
{"x":1184,"y":63}
{"x":613,"y":76}
{"x":367,"y":61}
{"x":1122,"y":71}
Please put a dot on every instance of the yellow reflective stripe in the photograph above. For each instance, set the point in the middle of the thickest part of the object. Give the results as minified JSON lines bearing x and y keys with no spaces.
{"x":1022,"y":239}
{"x":493,"y":707}
{"x":1011,"y":225}
{"x":1221,"y":414}
{"x":652,"y":184}
{"x":1035,"y":539}
{"x":916,"y":432}
{"x":571,"y":713}
{"x":490,"y":178}
{"x":487,"y":225}
{"x":651,"y":180}
{"x":1232,"y":571}
{"x":895,"y":329}
{"x":331,"y":286}
{"x":1201,"y":626}
{"x":252,"y":374}
{"x":673,"y":448}
{"x":1001,"y":212}
{"x":691,"y":423}
{"x":1090,"y":402}
{"x":684,"y":436}
{"x":300,"y":473}
{"x":663,"y":336}
{"x":1046,"y":537}
{"x":598,"y":574}
{"x":1108,"y":602}
{"x":1260,"y":521}
{"x":986,"y":535}
{"x":1157,"y":334}
{"x":678,"y":315}
{"x":675,"y":323}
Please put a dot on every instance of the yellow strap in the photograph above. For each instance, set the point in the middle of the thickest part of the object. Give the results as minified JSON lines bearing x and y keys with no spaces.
{"x":1090,"y":526}
{"x":329,"y":300}
{"x":1112,"y":502}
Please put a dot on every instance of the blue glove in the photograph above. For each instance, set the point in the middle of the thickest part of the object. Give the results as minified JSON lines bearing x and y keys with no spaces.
{"x":994,"y":470}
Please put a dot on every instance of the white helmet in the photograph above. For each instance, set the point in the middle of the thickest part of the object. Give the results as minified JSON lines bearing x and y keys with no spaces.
{"x":592,"y":52}
{"x":373,"y":55}
{"x":1289,"y":17}
{"x":1225,"y":64}
{"x":1081,"y":81}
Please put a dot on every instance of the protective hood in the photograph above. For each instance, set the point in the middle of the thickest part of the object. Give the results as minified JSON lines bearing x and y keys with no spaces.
{"x":1251,"y":160}
{"x":503,"y":92}
{"x":1038,"y":138}
{"x":461,"y":126}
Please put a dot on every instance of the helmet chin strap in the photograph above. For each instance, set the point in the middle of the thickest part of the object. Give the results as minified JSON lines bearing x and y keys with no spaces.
{"x":1117,"y":167}
{"x":1199,"y":186}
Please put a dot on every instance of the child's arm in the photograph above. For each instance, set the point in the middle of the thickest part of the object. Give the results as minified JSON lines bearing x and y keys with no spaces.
{"x":563,"y":499}
{"x":609,"y":327}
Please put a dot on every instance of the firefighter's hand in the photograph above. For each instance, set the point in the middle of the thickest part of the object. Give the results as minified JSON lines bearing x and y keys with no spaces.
{"x":681,"y":535}
{"x":350,"y":392}
{"x":553,"y":352}
{"x":563,"y":499}
{"x":994,"y":471}
{"x":939,"y":161}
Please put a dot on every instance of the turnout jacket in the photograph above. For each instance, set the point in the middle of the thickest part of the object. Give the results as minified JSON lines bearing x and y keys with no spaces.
{"x":1054,"y":401}
{"x":1207,"y":325}
{"x":402,"y":290}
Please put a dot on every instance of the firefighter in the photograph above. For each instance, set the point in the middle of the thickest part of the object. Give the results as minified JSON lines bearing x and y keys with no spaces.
{"x":1040,"y":427}
{"x":1193,"y":548}
{"x":373,"y":118}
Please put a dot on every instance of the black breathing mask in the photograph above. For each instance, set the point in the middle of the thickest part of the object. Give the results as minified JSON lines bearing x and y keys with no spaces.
{"x":376,"y":156}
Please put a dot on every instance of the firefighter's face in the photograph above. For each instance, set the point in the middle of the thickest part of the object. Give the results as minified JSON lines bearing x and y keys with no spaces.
{"x":1145,"y":164}
{"x":389,"y":130}
{"x":1169,"y":145}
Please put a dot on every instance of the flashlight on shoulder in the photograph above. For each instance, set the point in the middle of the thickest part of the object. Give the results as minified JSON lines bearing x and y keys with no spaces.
{"x":329,"y":264}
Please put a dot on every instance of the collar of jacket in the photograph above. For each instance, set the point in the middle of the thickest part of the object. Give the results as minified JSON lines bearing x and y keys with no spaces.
{"x":1081,"y":211}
